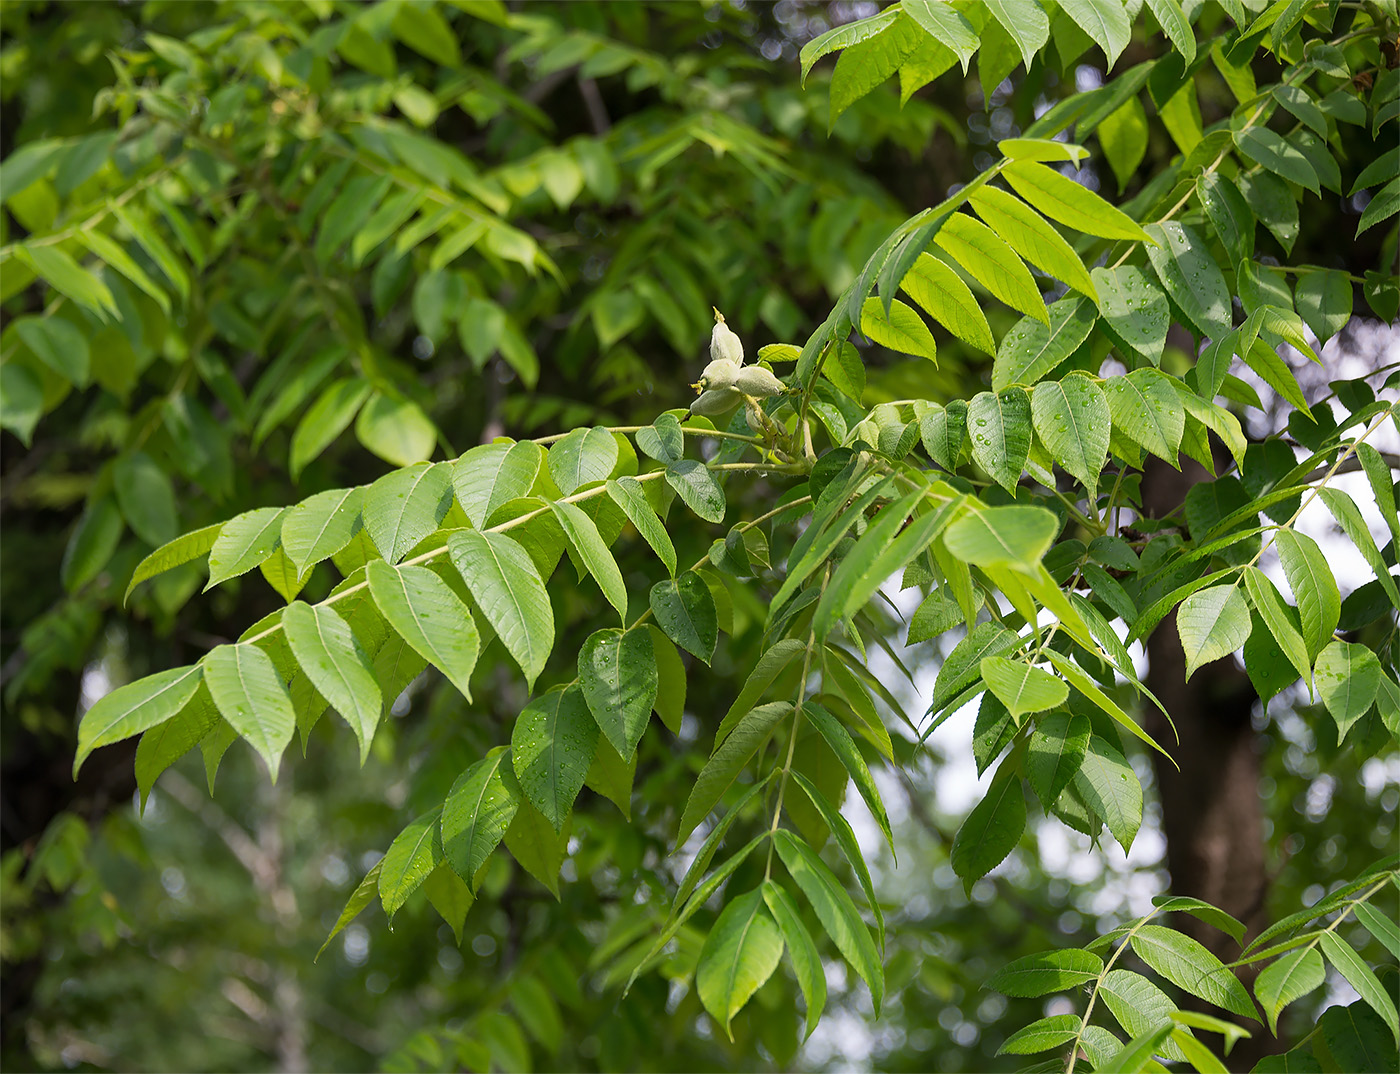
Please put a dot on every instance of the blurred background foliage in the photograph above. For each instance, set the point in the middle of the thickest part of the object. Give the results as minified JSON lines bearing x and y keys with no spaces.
{"x":398,"y":229}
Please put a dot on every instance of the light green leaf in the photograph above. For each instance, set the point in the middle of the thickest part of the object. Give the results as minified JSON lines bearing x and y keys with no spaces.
{"x":806,"y":960}
{"x":408,"y":862}
{"x":943,"y":431}
{"x":1031,"y":349}
{"x":395,"y":429}
{"x":244,"y":542}
{"x":403,"y":507}
{"x":901,"y":329}
{"x":943,"y":296}
{"x":507,"y":588}
{"x":1080,"y":680}
{"x":427,"y":614}
{"x":1314,"y":587}
{"x":1045,"y":149}
{"x":146,"y":498}
{"x":1016,"y":536}
{"x":693,"y":483}
{"x":552,"y":748}
{"x":841,"y":743}
{"x":1027,"y":232}
{"x":1065,"y":201}
{"x":992,"y":263}
{"x":534,"y":843}
{"x":135,"y":707}
{"x":1286,"y":979}
{"x":1324,"y":299}
{"x":726,"y":763}
{"x":21,"y":401}
{"x":1348,"y":676}
{"x":771,"y":663}
{"x":670,"y":671}
{"x":253,"y":699}
{"x":361,"y":897}
{"x":1103,"y":20}
{"x":1147,"y":409}
{"x":1135,"y":311}
{"x":477,"y":812}
{"x":321,"y":525}
{"x":161,"y":746}
{"x":1378,"y":925}
{"x":627,"y":493}
{"x":843,"y":37}
{"x":1348,"y":516}
{"x":991,"y":831}
{"x":840,"y":827}
{"x":618,"y":674}
{"x":59,"y":344}
{"x":685,"y":610}
{"x":1269,"y":604}
{"x":494,"y":474}
{"x":1027,"y":24}
{"x":1212,"y":623}
{"x":1073,"y":421}
{"x":739,"y":955}
{"x":663,"y":440}
{"x":581,"y":458}
{"x":1191,"y":277}
{"x":1050,"y":971}
{"x":331,"y":657}
{"x":834,"y":910}
{"x":68,"y":278}
{"x":1000,"y":425}
{"x":1107,"y":783}
{"x":1021,"y":687}
{"x":1187,"y":964}
{"x":1270,"y":151}
{"x":588,"y":544}
{"x":612,"y":776}
{"x":1042,"y":1035}
{"x":1174,"y":24}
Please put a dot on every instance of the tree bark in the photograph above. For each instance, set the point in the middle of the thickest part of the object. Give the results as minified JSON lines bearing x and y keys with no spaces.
{"x":1212,"y":813}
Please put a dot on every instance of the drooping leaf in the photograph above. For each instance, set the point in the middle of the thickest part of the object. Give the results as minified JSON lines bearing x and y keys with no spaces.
{"x":1314,"y":587}
{"x":627,"y":493}
{"x":1016,"y":536}
{"x":739,"y":955}
{"x":1022,"y":688}
{"x":1031,"y":350}
{"x":1212,"y":623}
{"x":591,"y":549}
{"x":403,"y":507}
{"x":725,"y":764}
{"x":991,"y":831}
{"x":1147,"y":409}
{"x":552,"y":748}
{"x":1135,"y":312}
{"x":1191,"y":277}
{"x":693,"y":483}
{"x":1050,"y":971}
{"x":1073,"y":420}
{"x":252,"y":698}
{"x":1055,"y":753}
{"x":1108,"y":784}
{"x":802,"y":950}
{"x":618,"y":675}
{"x":841,"y":743}
{"x":408,"y":862}
{"x":1288,"y":978}
{"x":1000,"y":426}
{"x":135,"y":707}
{"x":429,"y":616}
{"x":320,"y":526}
{"x":331,"y":657}
{"x":508,"y":590}
{"x":182,"y":549}
{"x":1348,"y":676}
{"x":477,"y":812}
{"x":1187,"y":964}
{"x":685,"y":610}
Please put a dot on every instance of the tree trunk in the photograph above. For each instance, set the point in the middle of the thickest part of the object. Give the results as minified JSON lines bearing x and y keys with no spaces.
{"x":1212,"y":814}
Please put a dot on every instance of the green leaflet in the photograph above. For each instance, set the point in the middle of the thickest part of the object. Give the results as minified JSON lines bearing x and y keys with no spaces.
{"x":1272,"y":152}
{"x":1212,"y":623}
{"x":320,"y":526}
{"x":846,"y":840}
{"x":253,"y":699}
{"x":508,"y":590}
{"x":429,"y":616}
{"x":1107,"y":783}
{"x":135,"y":707}
{"x":993,"y":264}
{"x":726,"y":762}
{"x":477,"y":812}
{"x":739,"y":955}
{"x":1103,"y":20}
{"x":1347,"y":676}
{"x":943,"y":296}
{"x":1288,"y":978}
{"x":408,"y":861}
{"x":627,"y":493}
{"x":771,"y":663}
{"x":1229,"y":215}
{"x":163,"y":745}
{"x":1001,"y":433}
{"x":693,"y":483}
{"x":864,"y":65}
{"x":581,"y":458}
{"x":244,"y":542}
{"x":1191,"y":277}
{"x":1073,"y":420}
{"x":1031,"y":349}
{"x":663,"y":440}
{"x":331,"y":657}
{"x":491,"y":475}
{"x":1269,"y":604}
{"x":1055,"y":753}
{"x":1123,"y":135}
{"x":834,"y":910}
{"x":1147,"y":409}
{"x":1064,"y":200}
{"x":146,"y":498}
{"x":1324,"y":300}
{"x":685,"y":611}
{"x":901,"y":329}
{"x":670,"y":672}
{"x":1027,"y":232}
{"x":361,"y":897}
{"x":841,"y":743}
{"x":403,"y":507}
{"x":182,"y":549}
{"x":1314,"y":587}
{"x":327,"y":418}
{"x":552,"y":747}
{"x":1042,"y":1035}
{"x":1135,"y":312}
{"x":1020,"y":687}
{"x":1016,"y":536}
{"x":618,"y":675}
{"x":1050,"y":971}
{"x":992,"y":830}
{"x":802,"y":950}
{"x":1138,"y":1004}
{"x":1187,"y":964}
{"x":1348,"y":516}
{"x":534,"y":843}
{"x":588,"y":544}
{"x":1027,"y":24}
{"x":59,"y":344}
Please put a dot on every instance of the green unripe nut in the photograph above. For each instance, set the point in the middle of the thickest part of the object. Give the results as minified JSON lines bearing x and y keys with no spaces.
{"x":715,"y":401}
{"x":759,"y":382}
{"x":719,"y":374}
{"x":724,"y":344}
